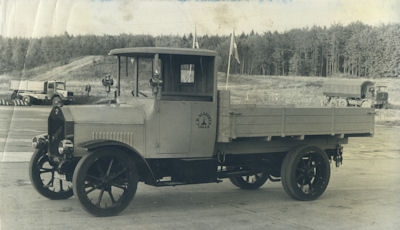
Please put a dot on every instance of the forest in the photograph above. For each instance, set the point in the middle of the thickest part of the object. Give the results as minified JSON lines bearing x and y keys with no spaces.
{"x":354,"y":50}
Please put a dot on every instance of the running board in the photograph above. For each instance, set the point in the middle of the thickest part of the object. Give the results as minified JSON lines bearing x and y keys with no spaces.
{"x":176,"y":183}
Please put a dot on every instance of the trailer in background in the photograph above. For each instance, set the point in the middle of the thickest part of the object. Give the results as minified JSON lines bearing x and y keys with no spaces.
{"x":32,"y":92}
{"x":356,"y":93}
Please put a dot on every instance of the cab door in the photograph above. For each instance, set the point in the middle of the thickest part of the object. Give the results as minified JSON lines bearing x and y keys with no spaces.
{"x":175,"y":119}
{"x":187,"y":108}
{"x":187,"y":128}
{"x":50,"y":88}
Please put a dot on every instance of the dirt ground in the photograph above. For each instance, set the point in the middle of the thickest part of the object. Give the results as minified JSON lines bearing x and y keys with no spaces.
{"x":363,"y":194}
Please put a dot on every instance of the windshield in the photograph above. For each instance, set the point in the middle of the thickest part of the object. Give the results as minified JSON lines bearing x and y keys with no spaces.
{"x":60,"y":86}
{"x":165,"y":77}
{"x":135,"y":77}
{"x":382,"y":89}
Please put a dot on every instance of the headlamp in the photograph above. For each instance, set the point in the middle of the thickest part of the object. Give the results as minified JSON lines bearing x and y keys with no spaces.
{"x":39,"y":141}
{"x":66,"y":147}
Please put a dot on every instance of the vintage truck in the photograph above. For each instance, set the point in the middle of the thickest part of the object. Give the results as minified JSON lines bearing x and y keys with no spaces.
{"x":356,"y":93}
{"x":171,"y":126}
{"x":40,"y":91}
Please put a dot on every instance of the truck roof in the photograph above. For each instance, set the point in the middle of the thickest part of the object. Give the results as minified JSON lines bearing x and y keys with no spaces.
{"x":149,"y":51}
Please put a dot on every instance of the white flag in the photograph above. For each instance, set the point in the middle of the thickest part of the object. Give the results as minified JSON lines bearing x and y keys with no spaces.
{"x":233,"y":48}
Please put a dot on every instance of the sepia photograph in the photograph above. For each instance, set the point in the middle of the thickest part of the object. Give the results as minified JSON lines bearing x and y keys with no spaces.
{"x":199,"y":114}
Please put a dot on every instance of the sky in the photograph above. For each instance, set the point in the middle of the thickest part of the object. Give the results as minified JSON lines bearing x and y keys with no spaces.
{"x":37,"y":18}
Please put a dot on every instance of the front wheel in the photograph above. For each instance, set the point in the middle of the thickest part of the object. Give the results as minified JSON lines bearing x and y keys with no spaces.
{"x":305,"y":173}
{"x":45,"y":178}
{"x":56,"y":101}
{"x":105,"y":181}
{"x":366,"y":104}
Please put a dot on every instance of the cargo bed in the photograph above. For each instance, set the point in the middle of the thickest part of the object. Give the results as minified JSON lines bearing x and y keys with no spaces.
{"x":241,"y":121}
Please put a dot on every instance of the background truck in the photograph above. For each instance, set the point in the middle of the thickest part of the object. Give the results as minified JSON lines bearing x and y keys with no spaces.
{"x":40,"y":91}
{"x":171,"y":126}
{"x":356,"y":93}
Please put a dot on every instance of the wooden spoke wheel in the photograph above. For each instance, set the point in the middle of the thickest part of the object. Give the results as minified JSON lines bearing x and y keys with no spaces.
{"x":105,"y":181}
{"x":45,"y":178}
{"x":305,"y":173}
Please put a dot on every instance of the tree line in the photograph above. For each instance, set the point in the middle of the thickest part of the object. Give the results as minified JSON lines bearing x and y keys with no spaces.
{"x":356,"y":50}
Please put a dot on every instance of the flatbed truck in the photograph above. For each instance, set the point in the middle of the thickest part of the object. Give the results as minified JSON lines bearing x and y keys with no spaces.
{"x":171,"y":126}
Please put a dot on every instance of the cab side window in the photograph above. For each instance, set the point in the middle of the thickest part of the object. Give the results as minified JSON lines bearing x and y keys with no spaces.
{"x":188,"y":77}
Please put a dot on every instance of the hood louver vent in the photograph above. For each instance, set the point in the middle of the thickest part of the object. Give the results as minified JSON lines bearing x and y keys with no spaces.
{"x":125,"y":137}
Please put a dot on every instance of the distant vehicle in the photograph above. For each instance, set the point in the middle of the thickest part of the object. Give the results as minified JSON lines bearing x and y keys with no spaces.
{"x":32,"y":92}
{"x":356,"y":93}
{"x":171,"y":126}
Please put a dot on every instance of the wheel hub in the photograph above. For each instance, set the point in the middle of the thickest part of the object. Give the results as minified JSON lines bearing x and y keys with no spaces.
{"x":306,"y":174}
{"x":310,"y":173}
{"x":106,"y":183}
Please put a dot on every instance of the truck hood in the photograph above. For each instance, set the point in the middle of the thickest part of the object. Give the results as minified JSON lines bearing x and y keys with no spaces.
{"x":134,"y":113}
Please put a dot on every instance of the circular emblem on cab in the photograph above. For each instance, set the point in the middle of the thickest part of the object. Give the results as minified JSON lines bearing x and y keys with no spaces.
{"x":203,"y":120}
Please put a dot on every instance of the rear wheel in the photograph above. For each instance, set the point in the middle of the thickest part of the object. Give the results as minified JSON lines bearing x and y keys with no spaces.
{"x":105,"y":181}
{"x":342,"y":102}
{"x":46,"y":179}
{"x":332,"y":102}
{"x":27,"y":100}
{"x":305,"y":173}
{"x":250,"y":182}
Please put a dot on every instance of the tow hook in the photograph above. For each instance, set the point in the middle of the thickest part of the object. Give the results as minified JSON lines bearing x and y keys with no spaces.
{"x":338,"y":158}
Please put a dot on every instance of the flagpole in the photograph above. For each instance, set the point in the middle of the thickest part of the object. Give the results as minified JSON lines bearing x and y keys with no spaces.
{"x":229,"y":62}
{"x":194,"y":46}
{"x":194,"y":38}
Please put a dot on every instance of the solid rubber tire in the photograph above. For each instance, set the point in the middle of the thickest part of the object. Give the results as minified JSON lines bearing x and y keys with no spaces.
{"x":40,"y":156}
{"x":288,"y":173}
{"x":80,"y":173}
{"x":56,"y":101}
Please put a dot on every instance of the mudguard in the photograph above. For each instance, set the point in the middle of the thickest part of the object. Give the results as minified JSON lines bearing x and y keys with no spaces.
{"x":143,"y":166}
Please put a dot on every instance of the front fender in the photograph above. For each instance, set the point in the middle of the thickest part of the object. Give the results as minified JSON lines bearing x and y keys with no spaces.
{"x":99,"y":143}
{"x":143,"y":167}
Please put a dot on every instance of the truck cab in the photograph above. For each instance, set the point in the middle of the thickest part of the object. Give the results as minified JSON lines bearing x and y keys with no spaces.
{"x":57,"y":93}
{"x":382,"y":97}
{"x":179,"y":89}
